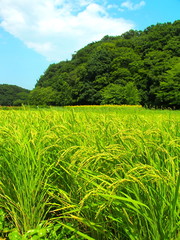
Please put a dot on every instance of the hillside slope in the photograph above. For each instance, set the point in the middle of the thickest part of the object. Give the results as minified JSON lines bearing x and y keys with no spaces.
{"x":136,"y":67}
{"x":13,"y":95}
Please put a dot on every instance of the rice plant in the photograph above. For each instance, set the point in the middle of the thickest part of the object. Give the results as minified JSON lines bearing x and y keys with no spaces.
{"x":107,"y":172}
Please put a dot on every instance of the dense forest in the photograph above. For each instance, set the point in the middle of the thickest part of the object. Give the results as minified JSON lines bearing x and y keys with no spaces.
{"x":12,"y":95}
{"x":138,"y":67}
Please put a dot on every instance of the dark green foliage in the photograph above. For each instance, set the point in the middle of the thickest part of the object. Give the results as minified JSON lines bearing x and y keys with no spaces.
{"x":168,"y":93}
{"x":12,"y":95}
{"x":42,"y":96}
{"x":136,"y":67}
{"x":117,"y":94}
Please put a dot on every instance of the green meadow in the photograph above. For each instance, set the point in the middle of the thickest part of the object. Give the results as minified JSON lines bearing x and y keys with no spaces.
{"x":102,"y":173}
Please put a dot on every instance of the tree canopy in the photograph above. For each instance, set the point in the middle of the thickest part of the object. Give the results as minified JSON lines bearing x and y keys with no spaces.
{"x":136,"y":67}
{"x":13,"y":95}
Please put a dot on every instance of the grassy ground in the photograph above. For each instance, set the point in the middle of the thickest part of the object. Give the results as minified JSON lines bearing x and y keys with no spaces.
{"x":109,"y":172}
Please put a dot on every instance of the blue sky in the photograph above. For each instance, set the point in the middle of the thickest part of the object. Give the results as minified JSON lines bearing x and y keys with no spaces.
{"x":36,"y":33}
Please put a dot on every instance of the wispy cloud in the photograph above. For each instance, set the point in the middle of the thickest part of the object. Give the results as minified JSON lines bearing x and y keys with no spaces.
{"x":132,"y":6}
{"x":57,"y":28}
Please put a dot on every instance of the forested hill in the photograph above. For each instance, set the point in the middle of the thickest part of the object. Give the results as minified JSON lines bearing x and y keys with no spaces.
{"x":136,"y":67}
{"x":13,"y":95}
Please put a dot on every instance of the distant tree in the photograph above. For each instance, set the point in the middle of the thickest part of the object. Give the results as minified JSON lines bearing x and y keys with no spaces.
{"x":22,"y":99}
{"x":132,"y":95}
{"x":173,"y":45}
{"x":63,"y":93}
{"x":13,"y":95}
{"x":82,"y":55}
{"x":87,"y":94}
{"x":121,"y":76}
{"x":156,"y":63}
{"x":42,"y":96}
{"x":125,"y":57}
{"x":101,"y":81}
{"x":168,"y":94}
{"x":100,"y":60}
{"x":117,"y":94}
{"x":113,"y":94}
{"x":130,"y":34}
{"x":107,"y":38}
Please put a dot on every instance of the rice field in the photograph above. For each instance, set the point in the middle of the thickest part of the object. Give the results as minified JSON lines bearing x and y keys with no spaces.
{"x":94,"y":172}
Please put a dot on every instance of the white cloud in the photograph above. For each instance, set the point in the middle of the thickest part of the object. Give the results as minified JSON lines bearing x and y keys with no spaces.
{"x":110,"y":6}
{"x":42,"y":48}
{"x":132,"y":6}
{"x":57,"y":28}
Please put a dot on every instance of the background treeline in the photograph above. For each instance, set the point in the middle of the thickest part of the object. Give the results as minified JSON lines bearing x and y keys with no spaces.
{"x":138,"y":67}
{"x":12,"y":95}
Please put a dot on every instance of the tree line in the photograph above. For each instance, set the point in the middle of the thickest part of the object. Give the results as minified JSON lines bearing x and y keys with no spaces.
{"x":138,"y":67}
{"x":12,"y":95}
